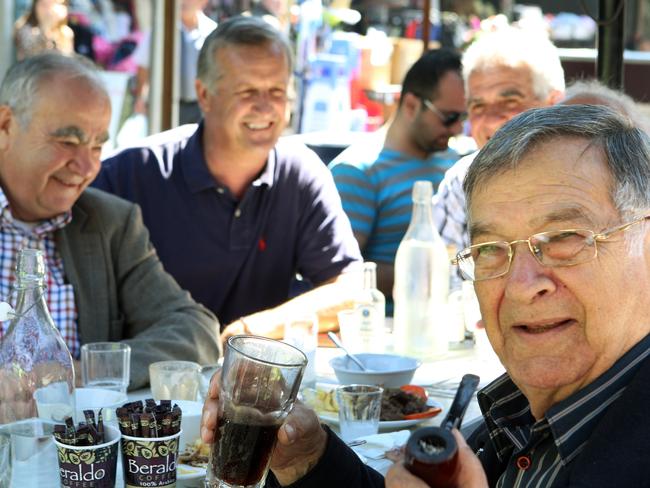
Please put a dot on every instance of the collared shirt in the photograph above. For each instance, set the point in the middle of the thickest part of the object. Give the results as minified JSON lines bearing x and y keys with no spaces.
{"x":235,"y":256}
{"x":449,"y":205}
{"x":59,"y":295}
{"x":550,"y":444}
{"x":375,"y":184}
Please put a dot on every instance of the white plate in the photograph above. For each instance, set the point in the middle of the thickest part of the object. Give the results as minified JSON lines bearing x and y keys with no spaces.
{"x":384,"y":425}
{"x":185,"y":472}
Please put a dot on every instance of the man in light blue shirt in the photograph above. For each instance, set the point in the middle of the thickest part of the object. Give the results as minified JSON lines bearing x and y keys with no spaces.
{"x":375,"y":180}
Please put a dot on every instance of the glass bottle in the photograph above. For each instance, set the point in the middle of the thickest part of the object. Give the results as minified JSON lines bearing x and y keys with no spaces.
{"x":36,"y":382}
{"x":35,"y":363}
{"x":421,"y":283}
{"x":371,"y":309}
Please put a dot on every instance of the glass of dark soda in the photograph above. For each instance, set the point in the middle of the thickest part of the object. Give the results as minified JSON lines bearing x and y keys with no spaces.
{"x":259,"y":384}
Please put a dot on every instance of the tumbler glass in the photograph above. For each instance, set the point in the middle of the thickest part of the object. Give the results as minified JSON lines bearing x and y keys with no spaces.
{"x":259,"y":384}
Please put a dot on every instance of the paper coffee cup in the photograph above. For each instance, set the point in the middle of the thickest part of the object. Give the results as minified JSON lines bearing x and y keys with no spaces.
{"x":150,"y":461}
{"x":89,"y":466}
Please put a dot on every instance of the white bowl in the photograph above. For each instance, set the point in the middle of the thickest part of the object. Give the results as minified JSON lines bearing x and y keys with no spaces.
{"x":388,"y":370}
{"x":190,"y":422}
{"x":96,"y":398}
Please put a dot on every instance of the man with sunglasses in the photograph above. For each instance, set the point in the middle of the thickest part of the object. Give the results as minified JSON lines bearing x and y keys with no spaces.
{"x":506,"y":72}
{"x":375,"y":179}
{"x":559,"y":218}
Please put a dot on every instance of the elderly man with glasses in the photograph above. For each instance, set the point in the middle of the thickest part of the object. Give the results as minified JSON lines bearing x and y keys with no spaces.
{"x":506,"y":72}
{"x":558,"y":209}
{"x":375,"y":178}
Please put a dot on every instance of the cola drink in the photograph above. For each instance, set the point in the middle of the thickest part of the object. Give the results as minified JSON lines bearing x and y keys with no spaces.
{"x":243,"y":450}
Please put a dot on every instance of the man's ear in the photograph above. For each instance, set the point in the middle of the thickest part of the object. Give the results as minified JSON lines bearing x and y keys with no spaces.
{"x":411,"y":105}
{"x":7,"y":126}
{"x":202,"y":95}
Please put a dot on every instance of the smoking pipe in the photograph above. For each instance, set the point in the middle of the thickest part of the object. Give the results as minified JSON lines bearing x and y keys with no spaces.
{"x":432,"y":452}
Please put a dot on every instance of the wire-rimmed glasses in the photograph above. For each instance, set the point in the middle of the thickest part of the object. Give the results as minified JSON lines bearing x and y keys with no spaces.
{"x":557,"y":248}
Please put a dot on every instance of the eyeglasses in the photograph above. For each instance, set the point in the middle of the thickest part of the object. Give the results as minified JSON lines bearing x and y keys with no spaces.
{"x":558,"y":248}
{"x":447,"y":118}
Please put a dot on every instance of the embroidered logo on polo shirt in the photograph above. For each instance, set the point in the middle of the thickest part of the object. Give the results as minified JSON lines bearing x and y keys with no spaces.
{"x":261,"y":244}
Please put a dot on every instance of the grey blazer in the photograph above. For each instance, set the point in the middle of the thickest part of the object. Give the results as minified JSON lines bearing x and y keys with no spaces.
{"x":123,"y":293}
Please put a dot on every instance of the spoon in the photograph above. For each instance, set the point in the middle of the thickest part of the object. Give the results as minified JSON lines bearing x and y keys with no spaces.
{"x":338,"y":344}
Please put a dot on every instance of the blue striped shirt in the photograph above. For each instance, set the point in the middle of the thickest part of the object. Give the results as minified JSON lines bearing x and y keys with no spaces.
{"x":554,"y":441}
{"x":375,"y":187}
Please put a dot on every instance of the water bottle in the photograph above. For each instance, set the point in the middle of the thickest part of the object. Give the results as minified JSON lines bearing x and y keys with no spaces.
{"x":371,"y":309}
{"x":36,"y":378}
{"x":421,"y":283}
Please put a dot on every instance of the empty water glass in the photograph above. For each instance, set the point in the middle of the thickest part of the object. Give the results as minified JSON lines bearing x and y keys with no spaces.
{"x":106,"y":365}
{"x":174,"y":380}
{"x":359,"y":409}
{"x":206,"y":374}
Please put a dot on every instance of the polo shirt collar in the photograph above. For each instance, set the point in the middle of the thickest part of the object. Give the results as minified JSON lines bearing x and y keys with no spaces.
{"x":195,"y":169}
{"x":198,"y":176}
{"x":267,"y":176}
{"x":43,"y":227}
{"x":571,"y":421}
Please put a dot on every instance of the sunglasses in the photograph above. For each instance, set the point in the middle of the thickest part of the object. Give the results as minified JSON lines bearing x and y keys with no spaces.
{"x":447,"y":118}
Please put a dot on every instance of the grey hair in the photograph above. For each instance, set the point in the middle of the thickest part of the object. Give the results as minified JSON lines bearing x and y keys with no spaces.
{"x":21,"y":84}
{"x":625,"y":147}
{"x":593,"y":92}
{"x":237,"y":31}
{"x":514,"y":48}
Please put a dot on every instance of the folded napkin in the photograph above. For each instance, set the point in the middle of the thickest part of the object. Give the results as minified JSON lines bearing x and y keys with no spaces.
{"x":373,"y":451}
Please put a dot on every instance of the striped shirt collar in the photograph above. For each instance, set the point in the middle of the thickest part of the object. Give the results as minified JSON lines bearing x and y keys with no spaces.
{"x":571,"y":421}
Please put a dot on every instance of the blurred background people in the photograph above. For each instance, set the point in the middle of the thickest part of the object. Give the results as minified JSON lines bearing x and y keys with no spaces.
{"x":44,"y":27}
{"x":593,"y":92}
{"x":275,"y":12}
{"x":195,"y":27}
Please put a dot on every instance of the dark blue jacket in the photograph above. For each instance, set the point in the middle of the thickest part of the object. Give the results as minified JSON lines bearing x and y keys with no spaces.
{"x":617,"y":455}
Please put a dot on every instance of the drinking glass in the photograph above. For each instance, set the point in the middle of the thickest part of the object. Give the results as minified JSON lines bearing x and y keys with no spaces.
{"x":174,"y":380}
{"x":259,"y":384}
{"x":359,"y":409}
{"x":302,"y":332}
{"x":27,"y":448}
{"x":106,"y":365}
{"x":205,"y":376}
{"x":350,"y":329}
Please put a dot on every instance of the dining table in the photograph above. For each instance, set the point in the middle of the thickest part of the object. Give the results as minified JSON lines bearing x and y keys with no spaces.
{"x":439,"y":376}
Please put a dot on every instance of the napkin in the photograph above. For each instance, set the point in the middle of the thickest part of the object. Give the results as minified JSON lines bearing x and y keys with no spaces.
{"x":373,"y":451}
